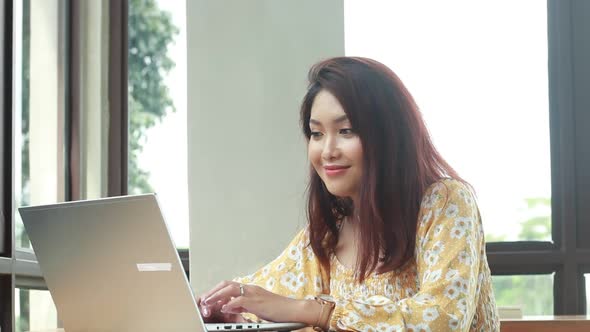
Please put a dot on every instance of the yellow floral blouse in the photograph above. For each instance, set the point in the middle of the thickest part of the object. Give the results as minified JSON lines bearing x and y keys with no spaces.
{"x":447,"y":287}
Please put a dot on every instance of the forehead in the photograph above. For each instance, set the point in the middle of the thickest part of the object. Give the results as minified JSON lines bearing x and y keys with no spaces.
{"x":326,"y":107}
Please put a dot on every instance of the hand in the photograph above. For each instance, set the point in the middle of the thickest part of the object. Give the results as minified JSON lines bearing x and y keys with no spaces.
{"x":228,"y":299}
{"x":213,"y":314}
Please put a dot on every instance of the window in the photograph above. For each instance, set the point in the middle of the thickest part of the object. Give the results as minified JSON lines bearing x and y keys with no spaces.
{"x":38,"y":144}
{"x":533,"y":294}
{"x":22,"y":176}
{"x":501,"y":103}
{"x":483,"y":93}
{"x":39,"y":112}
{"x":54,"y":146}
{"x":34,"y":310}
{"x":157,"y":109}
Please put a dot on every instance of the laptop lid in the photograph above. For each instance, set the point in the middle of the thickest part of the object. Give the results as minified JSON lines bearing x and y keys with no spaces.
{"x":111,"y":265}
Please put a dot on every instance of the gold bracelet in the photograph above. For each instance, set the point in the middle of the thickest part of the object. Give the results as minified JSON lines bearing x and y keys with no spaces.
{"x":320,"y":314}
{"x":323,"y":319}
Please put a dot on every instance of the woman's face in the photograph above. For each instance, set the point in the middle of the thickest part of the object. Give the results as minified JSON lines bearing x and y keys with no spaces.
{"x":334,"y":149}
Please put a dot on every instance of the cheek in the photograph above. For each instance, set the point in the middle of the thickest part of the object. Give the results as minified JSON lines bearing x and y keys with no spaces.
{"x":314,"y":154}
{"x":358,"y":153}
{"x":354,"y":151}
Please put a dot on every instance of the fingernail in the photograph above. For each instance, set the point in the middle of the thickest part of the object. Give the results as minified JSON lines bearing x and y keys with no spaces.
{"x":223,"y":307}
{"x":205,"y":311}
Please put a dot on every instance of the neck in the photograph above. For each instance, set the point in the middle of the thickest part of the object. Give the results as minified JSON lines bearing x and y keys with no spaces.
{"x":352,"y":222}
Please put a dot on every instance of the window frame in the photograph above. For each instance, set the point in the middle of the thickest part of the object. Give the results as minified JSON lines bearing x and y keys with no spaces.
{"x":18,"y":266}
{"x":118,"y":123}
{"x":6,"y":186}
{"x":564,"y":256}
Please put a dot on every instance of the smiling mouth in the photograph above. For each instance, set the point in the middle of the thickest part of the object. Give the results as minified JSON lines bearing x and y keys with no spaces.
{"x":335,"y":170}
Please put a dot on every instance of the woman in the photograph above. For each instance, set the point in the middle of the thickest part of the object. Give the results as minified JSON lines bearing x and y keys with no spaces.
{"x":394,"y":240}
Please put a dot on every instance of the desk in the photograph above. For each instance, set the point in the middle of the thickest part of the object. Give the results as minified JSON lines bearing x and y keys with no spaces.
{"x":525,"y":324}
{"x":546,"y":324}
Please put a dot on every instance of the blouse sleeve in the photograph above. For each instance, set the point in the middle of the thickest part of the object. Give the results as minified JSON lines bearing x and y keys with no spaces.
{"x":295,"y":273}
{"x":448,"y":244}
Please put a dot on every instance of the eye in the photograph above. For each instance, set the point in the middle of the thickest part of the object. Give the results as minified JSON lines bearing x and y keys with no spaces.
{"x":315,"y":134}
{"x":346,"y":131}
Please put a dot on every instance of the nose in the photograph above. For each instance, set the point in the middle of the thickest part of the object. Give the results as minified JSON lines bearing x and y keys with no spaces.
{"x":330,"y":149}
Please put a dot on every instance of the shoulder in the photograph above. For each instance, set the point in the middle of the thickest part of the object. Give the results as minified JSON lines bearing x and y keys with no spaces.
{"x":447,"y":204}
{"x":301,"y":242}
{"x":447,"y":191}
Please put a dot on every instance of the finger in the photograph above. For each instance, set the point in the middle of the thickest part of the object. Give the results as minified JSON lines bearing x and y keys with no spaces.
{"x":205,"y":311}
{"x":214,"y":290}
{"x":213,"y":314}
{"x":235,"y":306}
{"x":202,"y":307}
{"x":224,"y":284}
{"x":225,"y":294}
{"x":214,"y":308}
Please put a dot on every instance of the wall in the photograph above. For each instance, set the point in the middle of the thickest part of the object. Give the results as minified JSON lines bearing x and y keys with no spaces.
{"x":247,"y":71}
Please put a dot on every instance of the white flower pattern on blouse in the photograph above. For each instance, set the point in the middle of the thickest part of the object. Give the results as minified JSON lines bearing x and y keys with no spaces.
{"x":446,"y":287}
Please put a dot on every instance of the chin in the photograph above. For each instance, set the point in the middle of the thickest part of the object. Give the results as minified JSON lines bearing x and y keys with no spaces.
{"x":339,"y":192}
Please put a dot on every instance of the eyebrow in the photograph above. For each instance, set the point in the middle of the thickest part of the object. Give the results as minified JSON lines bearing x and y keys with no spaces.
{"x":339,"y":119}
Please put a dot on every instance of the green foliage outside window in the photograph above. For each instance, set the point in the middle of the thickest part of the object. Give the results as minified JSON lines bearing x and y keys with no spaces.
{"x":151,"y":31}
{"x":533,"y":293}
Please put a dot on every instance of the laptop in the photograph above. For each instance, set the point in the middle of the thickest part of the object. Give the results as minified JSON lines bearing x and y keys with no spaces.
{"x":111,"y":265}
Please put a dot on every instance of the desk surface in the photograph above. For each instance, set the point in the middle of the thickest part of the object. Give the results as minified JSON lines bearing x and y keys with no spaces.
{"x":546,"y":318}
{"x":525,"y":324}
{"x":547,"y":324}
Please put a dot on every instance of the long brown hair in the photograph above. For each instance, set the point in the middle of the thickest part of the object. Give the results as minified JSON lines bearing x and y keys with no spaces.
{"x":399,"y":163}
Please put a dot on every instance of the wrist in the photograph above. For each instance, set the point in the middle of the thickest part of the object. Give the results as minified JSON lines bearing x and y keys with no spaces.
{"x":306,"y":311}
{"x":327,"y":306}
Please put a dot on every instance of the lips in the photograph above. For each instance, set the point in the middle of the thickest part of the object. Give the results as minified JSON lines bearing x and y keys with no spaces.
{"x":335,"y":169}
